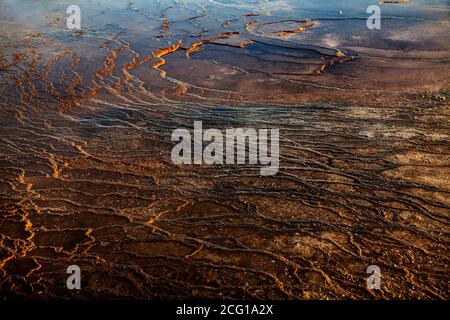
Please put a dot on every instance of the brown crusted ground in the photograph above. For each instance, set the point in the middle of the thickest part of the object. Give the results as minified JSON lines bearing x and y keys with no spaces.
{"x":86,"y":176}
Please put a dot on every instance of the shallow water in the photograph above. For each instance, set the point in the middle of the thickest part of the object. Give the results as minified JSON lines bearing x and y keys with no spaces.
{"x":86,"y":176}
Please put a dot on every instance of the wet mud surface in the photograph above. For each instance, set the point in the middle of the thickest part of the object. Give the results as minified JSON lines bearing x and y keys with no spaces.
{"x":86,"y":176}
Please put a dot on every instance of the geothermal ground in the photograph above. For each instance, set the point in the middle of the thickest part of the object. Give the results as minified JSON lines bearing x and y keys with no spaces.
{"x":86,"y":176}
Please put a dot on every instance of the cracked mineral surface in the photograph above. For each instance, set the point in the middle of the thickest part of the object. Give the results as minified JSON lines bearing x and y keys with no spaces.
{"x":86,"y":177}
